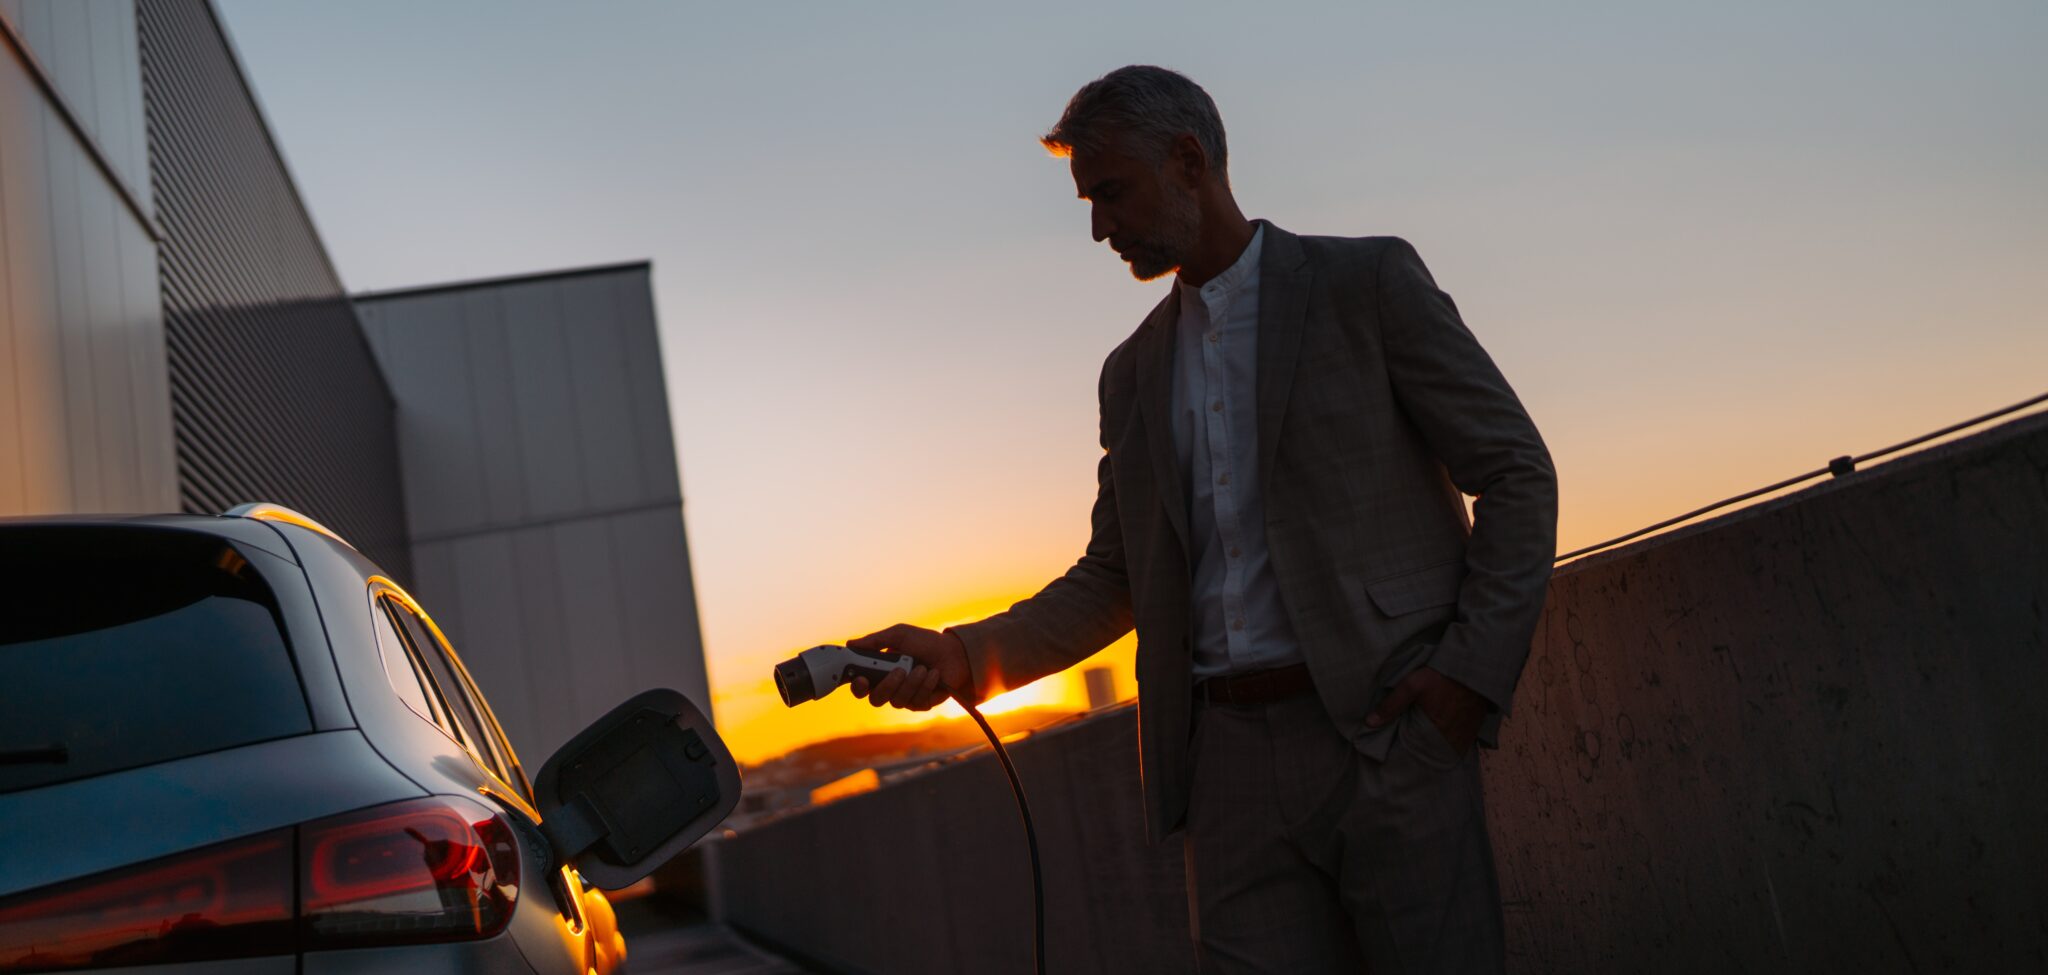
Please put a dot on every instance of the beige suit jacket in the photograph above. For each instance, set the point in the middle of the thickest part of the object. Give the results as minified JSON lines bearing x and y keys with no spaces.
{"x":1376,"y":409}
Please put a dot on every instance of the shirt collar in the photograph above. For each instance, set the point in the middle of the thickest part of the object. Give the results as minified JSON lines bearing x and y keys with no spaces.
{"x":1233,"y":277}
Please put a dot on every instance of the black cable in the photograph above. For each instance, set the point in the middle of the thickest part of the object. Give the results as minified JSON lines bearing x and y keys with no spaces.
{"x":1838,"y":467}
{"x":1030,"y":833}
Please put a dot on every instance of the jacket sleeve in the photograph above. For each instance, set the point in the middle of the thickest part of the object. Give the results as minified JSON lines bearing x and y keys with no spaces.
{"x":1075,"y":615}
{"x":1472,"y":420}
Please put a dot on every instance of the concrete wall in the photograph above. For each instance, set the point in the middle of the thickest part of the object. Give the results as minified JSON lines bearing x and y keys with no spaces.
{"x":85,"y":419}
{"x":1796,"y":738}
{"x":542,"y":493}
{"x":950,"y":889}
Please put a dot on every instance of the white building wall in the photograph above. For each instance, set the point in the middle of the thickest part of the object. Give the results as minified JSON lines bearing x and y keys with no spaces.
{"x":542,"y":492}
{"x":84,"y":399}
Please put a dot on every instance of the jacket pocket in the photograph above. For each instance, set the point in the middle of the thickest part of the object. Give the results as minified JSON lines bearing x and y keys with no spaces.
{"x":1417,"y":589}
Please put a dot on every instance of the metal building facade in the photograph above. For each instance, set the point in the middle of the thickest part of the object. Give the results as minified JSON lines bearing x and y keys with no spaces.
{"x":85,"y":422}
{"x":274,"y":394}
{"x":542,"y":493}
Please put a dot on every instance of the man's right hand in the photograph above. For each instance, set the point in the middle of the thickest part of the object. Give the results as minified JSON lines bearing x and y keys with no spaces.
{"x":941,"y":659}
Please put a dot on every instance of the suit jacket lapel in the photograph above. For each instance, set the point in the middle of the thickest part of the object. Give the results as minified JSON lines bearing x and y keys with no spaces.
{"x":1155,"y":404}
{"x":1283,"y":301}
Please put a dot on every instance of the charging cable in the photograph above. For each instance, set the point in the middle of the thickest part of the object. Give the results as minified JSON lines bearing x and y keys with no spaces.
{"x":819,"y":671}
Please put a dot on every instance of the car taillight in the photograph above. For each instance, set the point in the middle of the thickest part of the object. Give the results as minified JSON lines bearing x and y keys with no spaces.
{"x":232,"y":900}
{"x":435,"y":869}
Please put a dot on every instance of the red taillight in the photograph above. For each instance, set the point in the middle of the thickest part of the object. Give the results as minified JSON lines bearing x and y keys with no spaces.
{"x":435,"y":869}
{"x":228,"y":901}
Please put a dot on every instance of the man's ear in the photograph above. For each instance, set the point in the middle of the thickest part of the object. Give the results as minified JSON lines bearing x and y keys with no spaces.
{"x":1189,"y":160}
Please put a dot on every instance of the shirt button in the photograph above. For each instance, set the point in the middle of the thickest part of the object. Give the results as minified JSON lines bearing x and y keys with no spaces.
{"x":1237,"y":624}
{"x":1216,"y":407}
{"x":1234,"y":553}
{"x":1223,"y":479}
{"x":1212,"y":336}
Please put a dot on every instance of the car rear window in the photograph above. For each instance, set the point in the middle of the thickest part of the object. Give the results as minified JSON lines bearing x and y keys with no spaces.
{"x":122,"y":647}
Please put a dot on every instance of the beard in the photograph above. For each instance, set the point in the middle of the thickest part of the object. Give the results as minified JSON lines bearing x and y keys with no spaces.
{"x":1163,"y":251}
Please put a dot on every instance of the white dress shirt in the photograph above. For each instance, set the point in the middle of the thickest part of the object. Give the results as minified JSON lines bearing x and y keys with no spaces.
{"x":1240,"y":623}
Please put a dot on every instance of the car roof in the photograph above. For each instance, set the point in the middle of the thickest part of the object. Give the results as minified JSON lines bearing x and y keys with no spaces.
{"x":248,"y":531}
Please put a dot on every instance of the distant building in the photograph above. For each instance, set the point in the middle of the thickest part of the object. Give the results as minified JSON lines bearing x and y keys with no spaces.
{"x":173,"y":336}
{"x":543,"y":504}
{"x":1101,"y":684}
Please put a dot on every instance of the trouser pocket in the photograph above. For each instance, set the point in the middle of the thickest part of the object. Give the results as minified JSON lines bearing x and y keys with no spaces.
{"x":1422,"y":739}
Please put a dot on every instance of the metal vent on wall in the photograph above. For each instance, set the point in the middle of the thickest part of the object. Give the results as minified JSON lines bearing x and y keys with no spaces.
{"x":274,"y":393}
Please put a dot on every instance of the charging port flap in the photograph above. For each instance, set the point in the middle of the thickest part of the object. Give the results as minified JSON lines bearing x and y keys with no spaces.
{"x":636,"y":788}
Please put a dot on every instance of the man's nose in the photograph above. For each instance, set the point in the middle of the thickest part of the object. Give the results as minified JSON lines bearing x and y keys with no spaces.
{"x":1099,"y":224}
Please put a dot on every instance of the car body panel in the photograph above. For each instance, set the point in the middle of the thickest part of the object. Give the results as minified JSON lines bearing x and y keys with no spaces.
{"x":551,"y":940}
{"x":346,"y":586}
{"x":305,"y":631}
{"x":87,"y":826}
{"x":415,"y":746}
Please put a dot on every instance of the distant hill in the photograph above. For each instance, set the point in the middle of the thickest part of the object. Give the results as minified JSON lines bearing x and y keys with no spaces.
{"x":823,"y":761}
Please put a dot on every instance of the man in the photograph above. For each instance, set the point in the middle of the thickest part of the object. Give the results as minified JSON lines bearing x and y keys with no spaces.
{"x":1322,"y":636}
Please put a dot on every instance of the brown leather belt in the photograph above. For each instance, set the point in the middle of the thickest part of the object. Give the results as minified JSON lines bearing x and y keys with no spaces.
{"x":1256,"y":687}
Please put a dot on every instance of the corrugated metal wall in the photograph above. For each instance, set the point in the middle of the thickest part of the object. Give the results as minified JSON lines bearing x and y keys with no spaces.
{"x":84,"y":413}
{"x":274,"y":393}
{"x":542,"y":491}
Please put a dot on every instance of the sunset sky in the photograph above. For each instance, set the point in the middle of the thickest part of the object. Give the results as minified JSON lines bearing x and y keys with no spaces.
{"x":1711,"y":247}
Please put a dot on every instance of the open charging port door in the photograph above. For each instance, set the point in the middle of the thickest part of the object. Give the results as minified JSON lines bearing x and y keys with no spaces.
{"x":635,"y":788}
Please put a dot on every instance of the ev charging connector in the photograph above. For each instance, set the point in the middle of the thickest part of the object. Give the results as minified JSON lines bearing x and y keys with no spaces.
{"x":814,"y":673}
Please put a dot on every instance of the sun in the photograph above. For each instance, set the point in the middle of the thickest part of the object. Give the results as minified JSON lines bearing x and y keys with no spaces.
{"x":1056,"y":691}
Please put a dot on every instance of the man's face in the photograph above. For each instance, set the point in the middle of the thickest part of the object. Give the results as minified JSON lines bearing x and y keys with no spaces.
{"x":1150,"y":220}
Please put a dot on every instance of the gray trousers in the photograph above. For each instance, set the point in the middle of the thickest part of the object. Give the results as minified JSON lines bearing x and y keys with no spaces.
{"x":1305,"y":856}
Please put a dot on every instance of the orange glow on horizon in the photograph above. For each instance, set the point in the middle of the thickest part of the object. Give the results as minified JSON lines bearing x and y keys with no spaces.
{"x":865,"y":780}
{"x":1052,"y":692}
{"x":758,"y":727}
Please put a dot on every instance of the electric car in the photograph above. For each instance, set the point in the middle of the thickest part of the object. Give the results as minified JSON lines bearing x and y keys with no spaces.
{"x":233,"y":744}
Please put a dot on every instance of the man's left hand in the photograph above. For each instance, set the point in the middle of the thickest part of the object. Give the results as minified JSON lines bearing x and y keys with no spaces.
{"x":1455,"y":709}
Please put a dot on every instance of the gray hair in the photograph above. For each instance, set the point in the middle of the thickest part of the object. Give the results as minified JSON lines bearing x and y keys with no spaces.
{"x":1148,"y":106}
